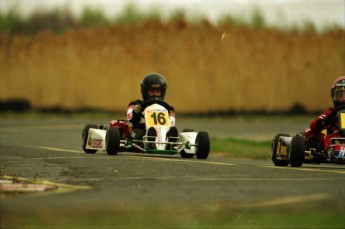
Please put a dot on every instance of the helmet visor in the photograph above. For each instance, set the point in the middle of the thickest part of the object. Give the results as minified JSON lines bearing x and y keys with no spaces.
{"x":339,"y":94}
{"x":154,"y":92}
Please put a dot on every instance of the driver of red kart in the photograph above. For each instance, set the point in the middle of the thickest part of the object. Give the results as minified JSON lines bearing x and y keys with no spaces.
{"x":153,"y":86}
{"x":316,"y":137}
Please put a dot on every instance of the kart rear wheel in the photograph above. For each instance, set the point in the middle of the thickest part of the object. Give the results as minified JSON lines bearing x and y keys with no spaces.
{"x":85,"y":134}
{"x":297,"y":151}
{"x":274,"y":151}
{"x":203,"y":145}
{"x":112,"y":141}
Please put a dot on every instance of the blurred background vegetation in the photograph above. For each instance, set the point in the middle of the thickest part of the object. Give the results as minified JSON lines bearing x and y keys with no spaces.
{"x":59,"y":20}
{"x":54,"y":60}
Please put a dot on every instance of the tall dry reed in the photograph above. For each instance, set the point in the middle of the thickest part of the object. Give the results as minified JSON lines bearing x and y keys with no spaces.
{"x":251,"y":70}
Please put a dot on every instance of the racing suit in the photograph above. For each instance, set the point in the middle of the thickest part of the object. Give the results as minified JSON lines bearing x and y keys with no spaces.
{"x":315,"y":134}
{"x":137,"y":121}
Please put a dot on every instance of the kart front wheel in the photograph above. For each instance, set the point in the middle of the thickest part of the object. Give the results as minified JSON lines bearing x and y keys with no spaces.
{"x":112,"y":141}
{"x":203,"y":145}
{"x":183,"y":153}
{"x":274,"y":151}
{"x":85,"y":134}
{"x":297,"y":151}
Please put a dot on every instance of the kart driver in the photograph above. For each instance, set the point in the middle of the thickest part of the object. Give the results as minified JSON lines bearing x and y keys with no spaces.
{"x":316,"y":137}
{"x":153,"y":86}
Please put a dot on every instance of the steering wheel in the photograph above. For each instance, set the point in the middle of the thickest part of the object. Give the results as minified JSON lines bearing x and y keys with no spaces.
{"x":332,"y":116}
{"x":337,"y":109}
{"x":149,"y":102}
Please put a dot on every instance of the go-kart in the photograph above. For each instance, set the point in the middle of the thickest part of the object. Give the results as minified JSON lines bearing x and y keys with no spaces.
{"x":295,"y":151}
{"x":116,"y":137}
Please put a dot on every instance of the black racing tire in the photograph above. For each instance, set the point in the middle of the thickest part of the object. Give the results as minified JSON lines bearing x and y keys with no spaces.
{"x":274,"y":151}
{"x":84,"y":138}
{"x":297,"y":151}
{"x":112,"y":141}
{"x":203,"y":145}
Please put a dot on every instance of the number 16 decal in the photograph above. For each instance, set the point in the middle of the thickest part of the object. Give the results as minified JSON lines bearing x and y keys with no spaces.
{"x":157,"y":118}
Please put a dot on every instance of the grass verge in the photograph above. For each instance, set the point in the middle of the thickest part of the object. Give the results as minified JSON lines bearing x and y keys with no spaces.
{"x":217,"y":215}
{"x":242,"y":148}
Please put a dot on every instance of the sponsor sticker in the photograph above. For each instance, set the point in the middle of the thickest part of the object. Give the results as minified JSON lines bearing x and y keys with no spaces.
{"x":339,"y":150}
{"x":283,"y":151}
{"x":95,"y":143}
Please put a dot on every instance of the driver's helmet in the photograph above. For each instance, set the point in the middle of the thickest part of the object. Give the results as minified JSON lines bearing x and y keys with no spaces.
{"x":153,"y":81}
{"x":337,"y":87}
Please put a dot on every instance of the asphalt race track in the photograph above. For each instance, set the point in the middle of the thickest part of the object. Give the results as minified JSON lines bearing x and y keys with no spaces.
{"x":47,"y":153}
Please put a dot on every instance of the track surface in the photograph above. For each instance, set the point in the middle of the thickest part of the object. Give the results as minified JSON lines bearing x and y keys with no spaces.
{"x":50,"y":151}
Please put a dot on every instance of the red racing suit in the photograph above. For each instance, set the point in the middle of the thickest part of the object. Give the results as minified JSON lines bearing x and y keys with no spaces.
{"x":315,"y":131}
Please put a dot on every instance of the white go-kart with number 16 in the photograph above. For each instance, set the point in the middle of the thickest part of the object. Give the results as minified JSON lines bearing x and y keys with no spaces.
{"x":160,"y":137}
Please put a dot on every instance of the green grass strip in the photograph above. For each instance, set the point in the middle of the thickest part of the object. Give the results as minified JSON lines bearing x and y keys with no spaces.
{"x":242,"y":148}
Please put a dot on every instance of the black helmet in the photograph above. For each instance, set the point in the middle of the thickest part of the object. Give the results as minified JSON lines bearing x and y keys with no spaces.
{"x":153,"y":81}
{"x":337,"y":86}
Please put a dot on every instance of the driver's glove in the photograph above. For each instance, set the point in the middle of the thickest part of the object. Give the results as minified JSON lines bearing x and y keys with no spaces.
{"x":329,"y":120}
{"x":137,"y":109}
